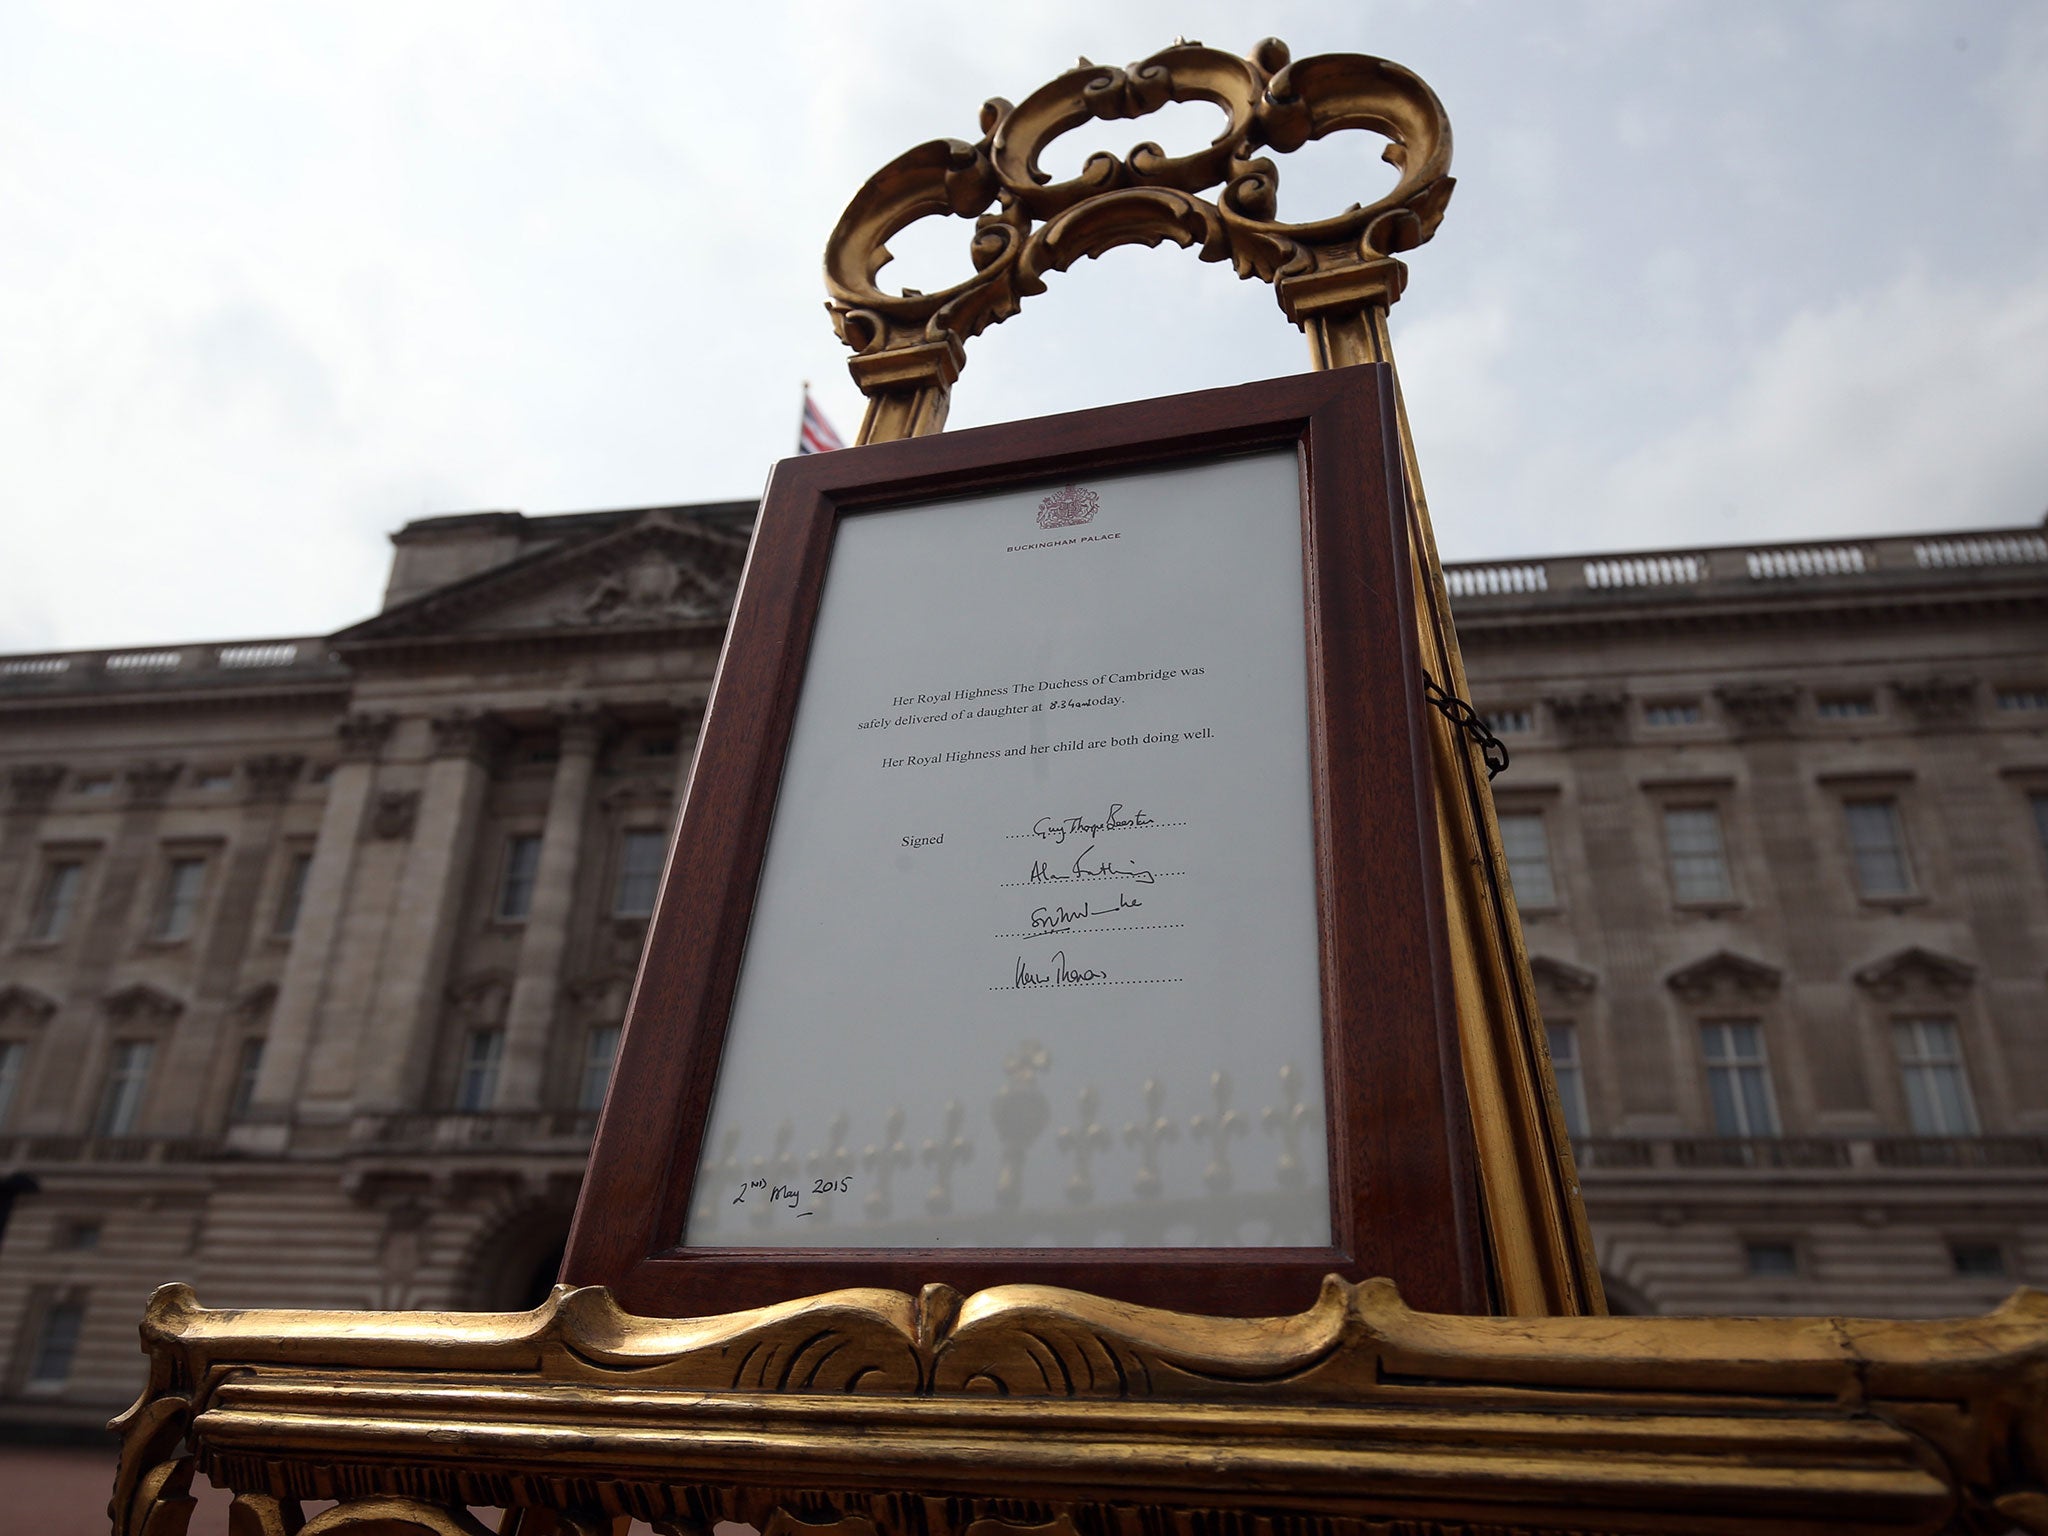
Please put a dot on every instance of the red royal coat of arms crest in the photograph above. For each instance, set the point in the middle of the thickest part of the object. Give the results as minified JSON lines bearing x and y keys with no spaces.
{"x":1068,"y":505}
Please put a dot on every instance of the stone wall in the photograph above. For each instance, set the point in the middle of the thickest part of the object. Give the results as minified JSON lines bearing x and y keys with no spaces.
{"x":543,"y":679}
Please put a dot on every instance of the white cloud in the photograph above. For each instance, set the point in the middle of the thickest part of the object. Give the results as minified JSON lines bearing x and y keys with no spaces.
{"x":1914,"y":406}
{"x":2018,"y":89}
{"x":278,"y":279}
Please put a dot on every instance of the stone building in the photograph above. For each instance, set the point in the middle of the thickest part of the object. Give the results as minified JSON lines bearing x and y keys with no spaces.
{"x":313,"y":952}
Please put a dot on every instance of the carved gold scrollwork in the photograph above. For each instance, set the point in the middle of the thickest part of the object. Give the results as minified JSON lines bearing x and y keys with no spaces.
{"x":392,"y":1516}
{"x":910,"y":345}
{"x":783,"y":1523}
{"x":259,"y":1514}
{"x":152,"y":1483}
{"x":1008,"y":1412}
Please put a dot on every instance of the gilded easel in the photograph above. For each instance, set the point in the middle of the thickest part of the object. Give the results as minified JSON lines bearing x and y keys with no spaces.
{"x":1028,"y":1411}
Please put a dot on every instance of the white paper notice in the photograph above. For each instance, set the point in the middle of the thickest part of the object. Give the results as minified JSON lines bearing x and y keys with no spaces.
{"x":1034,"y":958}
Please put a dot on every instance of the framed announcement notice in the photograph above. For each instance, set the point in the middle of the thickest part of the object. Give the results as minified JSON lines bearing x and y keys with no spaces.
{"x":1055,"y":896}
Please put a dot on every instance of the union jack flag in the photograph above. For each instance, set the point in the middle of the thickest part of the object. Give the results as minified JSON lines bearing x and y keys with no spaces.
{"x":815,"y":435}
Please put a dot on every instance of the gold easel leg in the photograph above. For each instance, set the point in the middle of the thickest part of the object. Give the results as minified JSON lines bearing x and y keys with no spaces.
{"x":1540,"y":1249}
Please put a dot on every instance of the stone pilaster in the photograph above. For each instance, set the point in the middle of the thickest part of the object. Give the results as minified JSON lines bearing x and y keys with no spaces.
{"x":314,"y":937}
{"x":1939,"y":703}
{"x":63,"y":1100}
{"x":537,"y":979}
{"x":31,"y":788}
{"x":271,"y":775}
{"x":187,"y":1088}
{"x":1591,"y":719}
{"x":397,"y":1035}
{"x":1760,"y":710}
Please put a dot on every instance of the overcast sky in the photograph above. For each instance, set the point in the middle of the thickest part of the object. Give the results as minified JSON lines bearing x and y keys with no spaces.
{"x":276,"y":279}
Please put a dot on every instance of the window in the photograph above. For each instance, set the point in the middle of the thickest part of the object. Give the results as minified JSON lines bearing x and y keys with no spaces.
{"x":1683,"y":712}
{"x":121,"y":1093}
{"x":1738,"y":1078}
{"x":2023,"y":698}
{"x":477,"y":1089}
{"x":1699,"y":862}
{"x":213,"y":780}
{"x":57,"y":1342}
{"x":515,"y":891}
{"x":1845,"y":706}
{"x":657,"y":746}
{"x":248,"y":1065}
{"x":1571,"y":1083}
{"x":599,"y":1047}
{"x":293,"y":895}
{"x":79,"y":1236}
{"x":1977,"y":1261}
{"x":175,"y":913}
{"x":55,"y":901}
{"x":1523,"y":839}
{"x":1771,"y":1258}
{"x":1877,"y":843}
{"x":1514,"y":720}
{"x":640,"y":856}
{"x":1937,"y":1092}
{"x":95,"y":785}
{"x":13,"y":1058}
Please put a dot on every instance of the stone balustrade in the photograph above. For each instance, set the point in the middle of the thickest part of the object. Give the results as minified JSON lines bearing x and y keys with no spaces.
{"x":1975,"y":1155}
{"x":215,"y":664}
{"x":1737,"y":568}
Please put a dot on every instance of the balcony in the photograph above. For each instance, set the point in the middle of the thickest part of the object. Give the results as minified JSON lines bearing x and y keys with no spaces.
{"x":537,"y":1130}
{"x":44,"y":1151}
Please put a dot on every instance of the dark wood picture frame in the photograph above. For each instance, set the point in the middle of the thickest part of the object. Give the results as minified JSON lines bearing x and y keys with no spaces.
{"x":1403,"y":1202}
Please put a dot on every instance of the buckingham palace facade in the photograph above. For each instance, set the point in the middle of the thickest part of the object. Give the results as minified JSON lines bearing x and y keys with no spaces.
{"x":313,"y":951}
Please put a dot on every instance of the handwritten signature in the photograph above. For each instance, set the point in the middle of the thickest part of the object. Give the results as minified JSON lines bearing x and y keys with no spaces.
{"x":1057,"y":829}
{"x":1060,"y":975}
{"x":1047,"y":921}
{"x":1103,"y":869}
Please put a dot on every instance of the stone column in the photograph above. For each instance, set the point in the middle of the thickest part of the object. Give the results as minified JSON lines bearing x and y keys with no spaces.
{"x":266,"y":1128}
{"x":398,"y":1033}
{"x":1620,"y":936}
{"x":537,"y":977}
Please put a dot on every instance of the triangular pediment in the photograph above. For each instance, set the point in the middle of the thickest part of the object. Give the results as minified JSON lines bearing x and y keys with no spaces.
{"x":602,"y":996}
{"x":1914,"y":967}
{"x":256,"y":1003}
{"x":661,"y":570}
{"x":25,"y":1005}
{"x":141,"y":1003}
{"x":1725,"y":975}
{"x":480,"y":1001}
{"x":1561,"y":977}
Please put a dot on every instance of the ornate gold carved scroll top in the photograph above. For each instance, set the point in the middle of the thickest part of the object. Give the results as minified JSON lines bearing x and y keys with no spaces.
{"x":910,"y":346}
